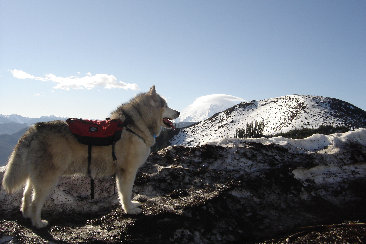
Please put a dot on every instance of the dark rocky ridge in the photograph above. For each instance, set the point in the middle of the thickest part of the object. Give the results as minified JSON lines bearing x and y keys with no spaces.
{"x":213,"y":194}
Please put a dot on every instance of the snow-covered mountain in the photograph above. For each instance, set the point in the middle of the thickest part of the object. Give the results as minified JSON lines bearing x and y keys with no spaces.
{"x":279,"y":115}
{"x":206,"y":106}
{"x":15,"y":118}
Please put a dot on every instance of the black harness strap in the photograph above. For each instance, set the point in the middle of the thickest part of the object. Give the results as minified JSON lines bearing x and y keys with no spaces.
{"x":113,"y":151}
{"x":128,"y":120}
{"x":89,"y":172}
{"x":91,"y":188}
{"x":129,"y":130}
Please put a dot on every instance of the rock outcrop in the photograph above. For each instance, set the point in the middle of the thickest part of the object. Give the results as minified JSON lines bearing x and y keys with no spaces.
{"x":242,"y":191}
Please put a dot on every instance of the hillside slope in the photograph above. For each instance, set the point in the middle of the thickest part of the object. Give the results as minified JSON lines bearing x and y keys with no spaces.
{"x":279,"y":115}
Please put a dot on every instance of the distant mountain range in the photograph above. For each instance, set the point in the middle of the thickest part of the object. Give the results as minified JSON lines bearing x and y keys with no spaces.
{"x":14,"y":118}
{"x":12,"y":127}
{"x":279,"y":115}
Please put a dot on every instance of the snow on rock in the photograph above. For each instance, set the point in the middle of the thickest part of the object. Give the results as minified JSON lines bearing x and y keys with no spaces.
{"x":71,"y":194}
{"x":330,"y":174}
{"x":279,"y":115}
{"x":317,"y":142}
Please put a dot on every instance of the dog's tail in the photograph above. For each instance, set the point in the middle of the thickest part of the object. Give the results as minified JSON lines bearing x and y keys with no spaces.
{"x":16,"y":172}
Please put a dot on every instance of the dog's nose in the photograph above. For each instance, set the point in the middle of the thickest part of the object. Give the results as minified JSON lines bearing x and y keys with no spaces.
{"x":178,"y":113}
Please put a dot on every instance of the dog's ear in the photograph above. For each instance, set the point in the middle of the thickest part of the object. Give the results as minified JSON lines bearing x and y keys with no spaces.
{"x":152,"y":90}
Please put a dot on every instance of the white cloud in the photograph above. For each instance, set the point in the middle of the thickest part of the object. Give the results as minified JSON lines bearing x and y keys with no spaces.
{"x":19,"y":74}
{"x":88,"y":81}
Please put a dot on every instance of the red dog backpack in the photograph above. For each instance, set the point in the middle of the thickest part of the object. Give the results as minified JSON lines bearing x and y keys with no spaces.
{"x":96,"y":132}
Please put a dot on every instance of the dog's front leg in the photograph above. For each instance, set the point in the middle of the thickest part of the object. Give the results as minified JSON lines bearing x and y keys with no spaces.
{"x":125,"y":180}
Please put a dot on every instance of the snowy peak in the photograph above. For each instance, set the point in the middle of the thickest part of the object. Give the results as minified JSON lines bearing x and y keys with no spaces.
{"x":11,"y":124}
{"x":279,"y":115}
{"x":14,"y":118}
{"x":287,"y":113}
{"x":206,"y":106}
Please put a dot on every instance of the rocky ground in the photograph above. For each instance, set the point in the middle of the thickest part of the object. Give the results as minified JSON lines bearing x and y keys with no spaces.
{"x":248,"y":192}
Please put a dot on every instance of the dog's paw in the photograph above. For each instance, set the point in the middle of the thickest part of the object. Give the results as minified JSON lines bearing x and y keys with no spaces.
{"x":26,"y":214}
{"x":40,"y":224}
{"x":136,"y":204}
{"x":134,"y":211}
{"x":133,"y":208}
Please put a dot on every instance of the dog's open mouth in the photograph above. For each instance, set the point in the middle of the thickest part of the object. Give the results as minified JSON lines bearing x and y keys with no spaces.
{"x":168,"y":123}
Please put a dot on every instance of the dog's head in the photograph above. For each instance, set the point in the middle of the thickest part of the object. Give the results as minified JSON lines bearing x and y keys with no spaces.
{"x":166,"y":114}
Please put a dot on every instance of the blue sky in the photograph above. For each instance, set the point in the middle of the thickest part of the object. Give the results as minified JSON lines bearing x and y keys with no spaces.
{"x":83,"y":58}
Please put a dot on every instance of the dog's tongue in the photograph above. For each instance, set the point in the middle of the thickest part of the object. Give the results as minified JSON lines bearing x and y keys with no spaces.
{"x":168,"y":122}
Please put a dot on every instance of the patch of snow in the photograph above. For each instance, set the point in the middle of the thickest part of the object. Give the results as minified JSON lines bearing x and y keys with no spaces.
{"x":60,"y":197}
{"x":313,"y":143}
{"x":329,"y":174}
{"x":71,"y":194}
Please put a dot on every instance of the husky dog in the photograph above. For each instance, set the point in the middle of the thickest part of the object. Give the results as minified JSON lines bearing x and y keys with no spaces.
{"x":49,"y":150}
